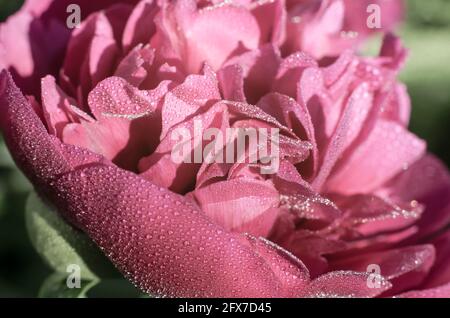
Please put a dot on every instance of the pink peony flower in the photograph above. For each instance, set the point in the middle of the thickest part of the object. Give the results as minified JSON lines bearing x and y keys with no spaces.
{"x":353,"y":188}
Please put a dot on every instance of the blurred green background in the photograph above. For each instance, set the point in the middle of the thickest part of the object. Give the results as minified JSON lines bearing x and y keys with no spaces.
{"x":426,"y":33}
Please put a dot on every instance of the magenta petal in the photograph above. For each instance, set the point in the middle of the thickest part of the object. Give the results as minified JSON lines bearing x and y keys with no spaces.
{"x":293,"y":273}
{"x":398,"y":105}
{"x":140,"y":26}
{"x":184,"y":30}
{"x":301,"y":201}
{"x":56,"y":106}
{"x":21,"y":49}
{"x":350,"y":125}
{"x":231,"y":81}
{"x":259,"y":68}
{"x":440,"y":272}
{"x":334,"y":72}
{"x":317,"y":30}
{"x":31,"y":146}
{"x":243,"y":205}
{"x":160,"y":167}
{"x":103,"y":50}
{"x":405,"y":268}
{"x":123,"y":115}
{"x":271,"y":17}
{"x":78,"y":157}
{"x":387,"y":150}
{"x":309,"y":206}
{"x":290,"y":71}
{"x":31,"y":49}
{"x":311,"y":248}
{"x":427,"y":181}
{"x":135,"y":67}
{"x":121,"y":140}
{"x":344,"y":284}
{"x":37,"y":7}
{"x":111,"y":138}
{"x":222,"y":28}
{"x":211,"y":173}
{"x":296,"y":117}
{"x":114,"y":97}
{"x":369,"y":215}
{"x":175,"y":250}
{"x":92,"y":50}
{"x":437,"y":292}
{"x":187,"y":98}
{"x":165,"y":245}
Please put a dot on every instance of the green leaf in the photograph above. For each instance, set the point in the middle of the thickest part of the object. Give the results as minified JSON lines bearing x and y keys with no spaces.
{"x":7,"y":7}
{"x":55,"y":286}
{"x":2,"y":197}
{"x":5,"y":158}
{"x":115,"y":288}
{"x":61,"y":245}
{"x":17,"y":182}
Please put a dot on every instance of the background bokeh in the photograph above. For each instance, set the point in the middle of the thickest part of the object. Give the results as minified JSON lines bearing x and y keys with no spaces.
{"x":426,"y":33}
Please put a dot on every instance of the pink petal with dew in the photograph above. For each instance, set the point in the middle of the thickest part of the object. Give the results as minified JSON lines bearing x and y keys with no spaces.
{"x":405,"y":267}
{"x":140,"y":26}
{"x":243,"y":205}
{"x":175,"y":249}
{"x":344,"y":284}
{"x":387,"y":150}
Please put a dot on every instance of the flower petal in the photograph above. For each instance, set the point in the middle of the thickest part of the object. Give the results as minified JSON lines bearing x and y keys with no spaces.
{"x":259,"y":68}
{"x":30,"y":145}
{"x":344,"y":284}
{"x":161,"y":241}
{"x":135,"y":67}
{"x":387,"y":150}
{"x":437,"y":292}
{"x":140,"y":26}
{"x":427,"y":182}
{"x":242,"y":205}
{"x":405,"y":267}
{"x":271,"y":17}
{"x":369,"y":215}
{"x":296,"y":117}
{"x":185,"y":30}
{"x":187,"y":98}
{"x":31,"y":49}
{"x":348,"y":128}
{"x":56,"y":106}
{"x":158,"y":239}
{"x":440,"y":272}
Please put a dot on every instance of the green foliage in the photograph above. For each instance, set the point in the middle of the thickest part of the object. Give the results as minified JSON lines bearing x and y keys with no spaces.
{"x":60,"y":245}
{"x":5,"y":158}
{"x":55,"y":286}
{"x":114,"y":288}
{"x":9,"y":6}
{"x":427,"y":76}
{"x":434,"y":13}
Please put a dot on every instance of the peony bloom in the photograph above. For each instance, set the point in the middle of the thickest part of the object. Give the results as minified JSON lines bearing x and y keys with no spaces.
{"x":89,"y":117}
